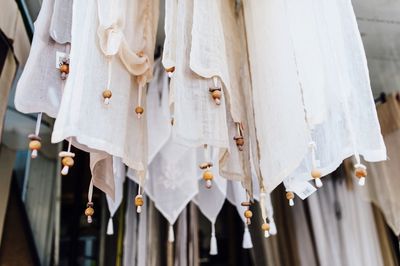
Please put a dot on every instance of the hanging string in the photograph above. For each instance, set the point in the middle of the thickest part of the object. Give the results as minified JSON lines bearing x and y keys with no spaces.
{"x":360,"y":170}
{"x":139,"y":199}
{"x":35,"y":141}
{"x":67,"y":158}
{"x":89,"y":207}
{"x":107,"y":93}
{"x":216,"y":91}
{"x":213,"y":240}
{"x":265,"y":226}
{"x":139,"y":109}
{"x":208,"y":176}
{"x":315,"y":172}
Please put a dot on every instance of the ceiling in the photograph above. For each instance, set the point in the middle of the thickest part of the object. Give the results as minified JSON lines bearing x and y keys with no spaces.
{"x":379,"y":24}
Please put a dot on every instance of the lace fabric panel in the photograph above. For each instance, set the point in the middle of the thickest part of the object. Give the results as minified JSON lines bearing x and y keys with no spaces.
{"x":39,"y":88}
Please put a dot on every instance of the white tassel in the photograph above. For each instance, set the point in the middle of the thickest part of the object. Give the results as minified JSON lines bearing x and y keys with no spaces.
{"x":208,"y":184}
{"x":65,"y":170}
{"x":34,"y":154}
{"x":170,"y":74}
{"x":272,"y":227}
{"x":106,"y":101}
{"x":213,"y":241}
{"x":318,"y":182}
{"x":139,"y":209}
{"x":247,"y":243}
{"x":171,"y":237}
{"x":110,"y":227}
{"x":266,"y":234}
{"x":361,"y":181}
{"x":291,"y":202}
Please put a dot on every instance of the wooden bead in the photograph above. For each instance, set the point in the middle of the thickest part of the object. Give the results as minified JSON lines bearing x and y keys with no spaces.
{"x":289,"y":195}
{"x":265,"y":227}
{"x":361,"y":172}
{"x":139,"y":110}
{"x":34,"y":137}
{"x":239,"y":140}
{"x":35,"y":145}
{"x":107,"y":94}
{"x":316,"y":173}
{"x":216,"y":94}
{"x":208,"y":175}
{"x":203,"y":166}
{"x":248,"y":214}
{"x":170,"y":69}
{"x":68,"y":161}
{"x":139,"y":200}
{"x":89,"y":211}
{"x":246,"y":203}
{"x":64,"y":68}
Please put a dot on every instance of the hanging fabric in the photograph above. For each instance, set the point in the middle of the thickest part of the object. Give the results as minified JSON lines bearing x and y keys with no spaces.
{"x":41,"y":75}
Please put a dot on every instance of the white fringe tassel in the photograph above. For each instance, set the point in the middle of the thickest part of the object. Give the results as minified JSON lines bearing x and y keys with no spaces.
{"x":247,"y":243}
{"x":110,"y":227}
{"x":171,"y":237}
{"x":213,"y":241}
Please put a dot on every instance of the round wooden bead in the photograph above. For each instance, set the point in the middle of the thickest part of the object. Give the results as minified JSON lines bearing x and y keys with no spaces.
{"x":139,"y":110}
{"x":248,"y":214}
{"x":89,"y":211}
{"x":208,"y":175}
{"x":239,"y":141}
{"x":316,"y":173}
{"x":68,"y":161}
{"x":107,"y":94}
{"x":361,"y":172}
{"x":289,"y":195}
{"x":139,"y":200}
{"x":216,"y":94}
{"x":35,"y":145}
{"x":265,"y":227}
{"x":64,"y":68}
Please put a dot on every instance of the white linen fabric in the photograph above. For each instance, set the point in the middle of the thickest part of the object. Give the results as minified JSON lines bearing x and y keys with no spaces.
{"x":119,"y":172}
{"x":327,"y":82}
{"x":40,"y":87}
{"x":88,"y":78}
{"x":282,"y":133}
{"x":61,"y":21}
{"x":197,"y":119}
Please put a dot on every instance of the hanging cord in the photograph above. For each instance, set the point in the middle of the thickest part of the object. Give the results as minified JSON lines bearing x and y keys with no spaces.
{"x":289,"y":192}
{"x":247,"y":213}
{"x":213,"y":240}
{"x":107,"y":93}
{"x":216,"y":91}
{"x":89,"y":206}
{"x":315,"y":172}
{"x":110,"y":226}
{"x":239,"y":136}
{"x":265,"y":226}
{"x":139,"y":109}
{"x":67,"y":158}
{"x":35,"y":141}
{"x":208,"y":176}
{"x":139,"y":199}
{"x":360,"y":170}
